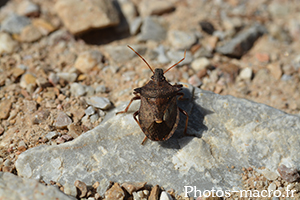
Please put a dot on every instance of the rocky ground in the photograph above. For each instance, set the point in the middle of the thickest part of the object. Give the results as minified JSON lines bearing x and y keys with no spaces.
{"x":65,"y":64}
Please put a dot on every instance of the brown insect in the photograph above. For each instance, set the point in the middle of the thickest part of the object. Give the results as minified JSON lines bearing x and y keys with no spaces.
{"x":158,"y":113}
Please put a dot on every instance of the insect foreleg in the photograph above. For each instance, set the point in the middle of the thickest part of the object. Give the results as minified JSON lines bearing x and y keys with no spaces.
{"x":126,"y":109}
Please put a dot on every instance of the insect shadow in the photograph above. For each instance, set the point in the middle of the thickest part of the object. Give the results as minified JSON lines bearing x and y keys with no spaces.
{"x":196,"y":125}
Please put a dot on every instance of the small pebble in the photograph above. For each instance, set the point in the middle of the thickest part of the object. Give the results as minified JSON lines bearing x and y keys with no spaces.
{"x":132,"y":187}
{"x":135,"y":26}
{"x":195,"y":81}
{"x":89,"y":111}
{"x":146,"y":192}
{"x":200,"y":63}
{"x":246,"y":73}
{"x":22,"y":144}
{"x":27,"y":79}
{"x":14,"y":23}
{"x":42,"y":82}
{"x":154,"y":194}
{"x":286,"y":77}
{"x":67,"y":137}
{"x":115,"y":193}
{"x":52,"y":135}
{"x":53,"y":78}
{"x":30,"y":33}
{"x":81,"y":186}
{"x":101,"y":113}
{"x":101,"y":89}
{"x":140,"y":194}
{"x":88,"y":60}
{"x":5,"y":106}
{"x":99,"y":102}
{"x":207,"y":27}
{"x":77,"y":89}
{"x":17,"y":71}
{"x":270,"y":175}
{"x":8,"y":45}
{"x":272,"y":186}
{"x":70,"y":77}
{"x":289,"y":174}
{"x":275,"y":70}
{"x":165,"y":196}
{"x":94,"y":118}
{"x":7,"y":163}
{"x":40,"y":116}
{"x":30,"y":106}
{"x":62,"y":120}
{"x":74,"y":130}
{"x":59,"y":140}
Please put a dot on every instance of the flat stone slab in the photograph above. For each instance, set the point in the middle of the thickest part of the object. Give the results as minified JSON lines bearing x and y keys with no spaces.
{"x":229,"y":132}
{"x":13,"y":187}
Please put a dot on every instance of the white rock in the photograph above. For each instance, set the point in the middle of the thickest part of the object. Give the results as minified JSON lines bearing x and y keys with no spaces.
{"x":98,"y":102}
{"x":90,"y":110}
{"x":272,"y":186}
{"x":269,"y":174}
{"x":246,"y":73}
{"x":94,"y":118}
{"x":135,"y":25}
{"x":77,"y":89}
{"x":165,"y":196}
{"x":7,"y":44}
{"x":200,"y":63}
{"x":52,"y":135}
{"x":70,"y":77}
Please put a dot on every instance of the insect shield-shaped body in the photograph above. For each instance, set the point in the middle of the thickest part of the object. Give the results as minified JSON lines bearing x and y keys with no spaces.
{"x":158,"y":113}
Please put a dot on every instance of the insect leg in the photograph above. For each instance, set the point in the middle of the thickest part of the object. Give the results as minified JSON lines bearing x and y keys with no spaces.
{"x":178,"y":85}
{"x":181,"y":96}
{"x":126,"y":109}
{"x":144,"y":140}
{"x":186,"y":121}
{"x":137,"y":121}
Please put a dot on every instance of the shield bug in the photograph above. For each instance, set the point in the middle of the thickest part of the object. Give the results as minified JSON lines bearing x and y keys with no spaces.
{"x":158,"y":113}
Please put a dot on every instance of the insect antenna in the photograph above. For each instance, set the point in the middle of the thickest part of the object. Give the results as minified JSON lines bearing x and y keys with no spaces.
{"x":176,"y":63}
{"x":141,"y":58}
